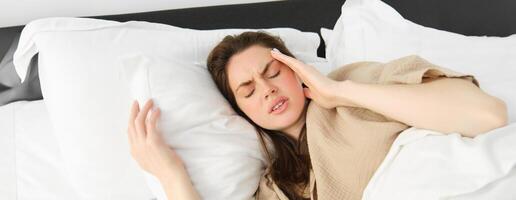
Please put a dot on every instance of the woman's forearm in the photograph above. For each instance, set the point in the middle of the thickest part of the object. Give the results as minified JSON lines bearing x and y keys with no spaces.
{"x":179,"y":186}
{"x":445,"y":105}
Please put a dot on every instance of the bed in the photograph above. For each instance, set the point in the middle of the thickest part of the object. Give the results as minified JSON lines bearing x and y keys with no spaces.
{"x":32,"y":166}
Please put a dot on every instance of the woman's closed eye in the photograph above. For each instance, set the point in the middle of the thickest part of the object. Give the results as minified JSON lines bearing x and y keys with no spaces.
{"x":273,"y":76}
{"x":249,"y":95}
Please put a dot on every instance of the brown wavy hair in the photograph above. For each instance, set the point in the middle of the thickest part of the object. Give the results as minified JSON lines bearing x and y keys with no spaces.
{"x":290,"y":161}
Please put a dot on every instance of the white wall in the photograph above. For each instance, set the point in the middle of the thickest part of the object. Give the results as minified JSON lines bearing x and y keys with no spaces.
{"x":19,"y":12}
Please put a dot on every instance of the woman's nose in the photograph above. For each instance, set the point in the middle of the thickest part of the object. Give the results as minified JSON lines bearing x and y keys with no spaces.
{"x":270,"y":89}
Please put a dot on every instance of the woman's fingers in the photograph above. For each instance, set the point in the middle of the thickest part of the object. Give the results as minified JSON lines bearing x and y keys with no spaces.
{"x":285,"y":58}
{"x":152,"y":126}
{"x":294,"y":64}
{"x":301,"y":69}
{"x":140,"y":120}
{"x":134,"y":112}
{"x":132,"y":116}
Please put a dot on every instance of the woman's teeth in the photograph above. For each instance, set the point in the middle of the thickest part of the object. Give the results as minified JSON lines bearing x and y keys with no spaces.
{"x":277,"y":106}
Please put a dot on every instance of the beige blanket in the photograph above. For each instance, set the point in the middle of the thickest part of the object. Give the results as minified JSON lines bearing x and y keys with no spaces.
{"x":347,"y":144}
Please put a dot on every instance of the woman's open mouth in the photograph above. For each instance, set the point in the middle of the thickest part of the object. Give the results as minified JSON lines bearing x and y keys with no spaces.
{"x":280,"y":107}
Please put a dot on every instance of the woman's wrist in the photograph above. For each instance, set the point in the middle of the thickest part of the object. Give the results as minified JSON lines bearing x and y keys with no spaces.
{"x":346,"y":89}
{"x":173,"y":174}
{"x":178,"y":185}
{"x":172,"y":180}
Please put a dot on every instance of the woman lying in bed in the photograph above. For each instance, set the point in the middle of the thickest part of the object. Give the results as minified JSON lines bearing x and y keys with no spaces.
{"x":331,"y":147}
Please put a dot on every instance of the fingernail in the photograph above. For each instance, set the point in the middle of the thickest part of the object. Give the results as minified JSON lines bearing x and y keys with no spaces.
{"x":275,"y":50}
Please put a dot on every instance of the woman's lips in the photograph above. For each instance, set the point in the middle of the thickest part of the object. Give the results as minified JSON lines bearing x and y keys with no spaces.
{"x":282,"y":108}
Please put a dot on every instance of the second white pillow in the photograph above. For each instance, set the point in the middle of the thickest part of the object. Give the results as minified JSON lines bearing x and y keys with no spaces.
{"x":371,"y":30}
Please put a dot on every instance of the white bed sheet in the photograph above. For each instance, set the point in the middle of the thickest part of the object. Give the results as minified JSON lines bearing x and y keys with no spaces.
{"x":7,"y":148}
{"x":32,"y":163}
{"x":31,"y":166}
{"x":424,"y":164}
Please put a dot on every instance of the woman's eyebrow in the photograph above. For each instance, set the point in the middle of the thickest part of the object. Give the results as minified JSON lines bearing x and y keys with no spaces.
{"x":261,"y":73}
{"x":266,"y":67}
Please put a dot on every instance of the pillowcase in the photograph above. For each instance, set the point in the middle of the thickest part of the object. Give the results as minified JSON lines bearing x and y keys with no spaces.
{"x":303,"y":44}
{"x":215,"y":144}
{"x":88,"y":100}
{"x":321,"y":64}
{"x":372,"y":30}
{"x":326,"y":34}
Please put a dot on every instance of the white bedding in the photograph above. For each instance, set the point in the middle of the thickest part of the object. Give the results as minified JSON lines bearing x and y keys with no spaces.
{"x":420,"y":165}
{"x":424,"y":164}
{"x":7,"y":160}
{"x":31,"y":168}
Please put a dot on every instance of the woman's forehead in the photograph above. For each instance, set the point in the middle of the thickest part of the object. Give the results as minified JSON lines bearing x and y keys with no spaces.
{"x":251,"y":58}
{"x":243,"y":65}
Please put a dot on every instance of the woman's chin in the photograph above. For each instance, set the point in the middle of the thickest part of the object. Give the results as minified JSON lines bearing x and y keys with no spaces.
{"x":284,"y":122}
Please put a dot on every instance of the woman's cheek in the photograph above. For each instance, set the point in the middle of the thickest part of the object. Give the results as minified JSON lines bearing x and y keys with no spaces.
{"x":251,"y":109}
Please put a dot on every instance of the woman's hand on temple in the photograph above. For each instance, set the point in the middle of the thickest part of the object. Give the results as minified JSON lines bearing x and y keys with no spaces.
{"x":147,"y":145}
{"x":321,"y":89}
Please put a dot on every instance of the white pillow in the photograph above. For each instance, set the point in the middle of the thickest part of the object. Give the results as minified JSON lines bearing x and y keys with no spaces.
{"x":302,"y":44}
{"x":219,"y":147}
{"x":88,"y":99}
{"x":326,"y":34}
{"x":321,"y":64}
{"x":372,"y":30}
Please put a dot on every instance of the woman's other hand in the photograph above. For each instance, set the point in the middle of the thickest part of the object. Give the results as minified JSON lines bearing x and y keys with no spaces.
{"x":154,"y":156}
{"x":147,"y":145}
{"x":321,"y":89}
